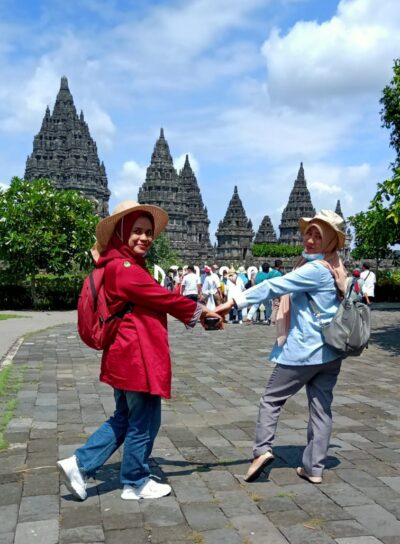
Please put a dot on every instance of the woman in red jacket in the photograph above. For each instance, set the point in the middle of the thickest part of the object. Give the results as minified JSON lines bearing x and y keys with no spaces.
{"x":137,"y":364}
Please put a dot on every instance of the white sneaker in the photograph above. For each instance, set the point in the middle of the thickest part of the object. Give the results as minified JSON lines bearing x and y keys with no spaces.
{"x":149,"y":490}
{"x":73,"y":477}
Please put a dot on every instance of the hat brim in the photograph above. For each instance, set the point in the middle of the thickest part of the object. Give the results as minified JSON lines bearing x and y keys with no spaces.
{"x":106,"y":226}
{"x":305,"y":221}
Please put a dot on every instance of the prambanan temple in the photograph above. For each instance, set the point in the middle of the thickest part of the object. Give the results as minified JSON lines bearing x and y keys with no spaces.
{"x":65,"y":152}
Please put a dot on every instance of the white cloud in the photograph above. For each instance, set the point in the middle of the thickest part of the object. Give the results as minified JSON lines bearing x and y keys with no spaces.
{"x":321,"y":187}
{"x":349,"y":55}
{"x":100,"y":124}
{"x":129,"y":179}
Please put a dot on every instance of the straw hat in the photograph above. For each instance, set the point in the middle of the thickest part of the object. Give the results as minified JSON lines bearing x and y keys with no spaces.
{"x":330,"y":218}
{"x":231,"y":272}
{"x":105,"y":227}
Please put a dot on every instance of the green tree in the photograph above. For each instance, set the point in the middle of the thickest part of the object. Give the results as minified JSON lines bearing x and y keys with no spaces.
{"x":372,"y":238}
{"x":388,"y":193}
{"x":161,"y":253}
{"x":390,"y":113}
{"x":44,"y":229}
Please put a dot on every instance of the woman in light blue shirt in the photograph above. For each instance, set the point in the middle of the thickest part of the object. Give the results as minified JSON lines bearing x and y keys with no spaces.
{"x":301,"y":357}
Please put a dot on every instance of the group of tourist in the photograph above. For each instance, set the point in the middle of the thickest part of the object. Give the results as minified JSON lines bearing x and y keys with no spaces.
{"x":211,"y":287}
{"x":137,"y":363}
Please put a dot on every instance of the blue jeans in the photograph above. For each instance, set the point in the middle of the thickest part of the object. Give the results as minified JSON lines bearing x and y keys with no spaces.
{"x":135,"y":424}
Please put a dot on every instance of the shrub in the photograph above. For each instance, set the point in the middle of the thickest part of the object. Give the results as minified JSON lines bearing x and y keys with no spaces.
{"x":275,"y":250}
{"x":388,"y":286}
{"x":51,"y":292}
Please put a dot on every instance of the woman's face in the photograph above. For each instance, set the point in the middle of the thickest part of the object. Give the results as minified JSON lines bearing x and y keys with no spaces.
{"x":142,"y":236}
{"x":312,"y":241}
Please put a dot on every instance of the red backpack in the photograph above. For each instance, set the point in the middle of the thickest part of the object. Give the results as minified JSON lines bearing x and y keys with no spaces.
{"x":97,"y":326}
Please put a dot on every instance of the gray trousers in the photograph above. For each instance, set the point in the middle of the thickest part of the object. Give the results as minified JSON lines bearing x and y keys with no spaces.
{"x":284,"y":382}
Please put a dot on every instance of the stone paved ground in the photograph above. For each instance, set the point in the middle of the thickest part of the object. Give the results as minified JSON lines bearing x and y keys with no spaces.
{"x":204,"y":448}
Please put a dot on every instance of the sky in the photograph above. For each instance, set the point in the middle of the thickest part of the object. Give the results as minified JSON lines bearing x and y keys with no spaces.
{"x":248,"y":88}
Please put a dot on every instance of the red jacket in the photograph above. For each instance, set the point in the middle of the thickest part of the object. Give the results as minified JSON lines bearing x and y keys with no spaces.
{"x":139,"y":358}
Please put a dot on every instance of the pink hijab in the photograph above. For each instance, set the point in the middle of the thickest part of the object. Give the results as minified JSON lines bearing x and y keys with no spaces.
{"x":331,"y":260}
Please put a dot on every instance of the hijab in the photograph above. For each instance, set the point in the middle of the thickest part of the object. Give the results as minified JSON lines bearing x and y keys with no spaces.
{"x":118,"y":244}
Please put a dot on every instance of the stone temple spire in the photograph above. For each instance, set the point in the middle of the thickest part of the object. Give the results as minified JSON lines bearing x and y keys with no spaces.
{"x":299,"y":205}
{"x":64,"y":152}
{"x":163,"y":188}
{"x":198,"y":246}
{"x":234,"y":233}
{"x":266,"y":233}
{"x":338,"y":209}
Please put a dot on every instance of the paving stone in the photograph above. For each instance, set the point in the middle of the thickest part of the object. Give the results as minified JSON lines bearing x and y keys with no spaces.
{"x":257,"y":529}
{"x":345,"y":495}
{"x":359,"y":540}
{"x":10,"y":493}
{"x":8,"y":517}
{"x":299,"y":534}
{"x":84,"y":535}
{"x":205,"y":446}
{"x":42,"y":532}
{"x":136,"y":536}
{"x":221,"y":536}
{"x":38,"y":508}
{"x":41,"y":483}
{"x":161,"y":512}
{"x":7,"y":538}
{"x":344,"y":528}
{"x":203,"y":517}
{"x":375,"y":518}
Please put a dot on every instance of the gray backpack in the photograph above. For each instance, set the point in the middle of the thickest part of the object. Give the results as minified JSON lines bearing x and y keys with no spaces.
{"x":349,"y":330}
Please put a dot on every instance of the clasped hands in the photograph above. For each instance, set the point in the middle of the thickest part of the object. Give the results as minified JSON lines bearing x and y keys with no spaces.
{"x":219,"y":312}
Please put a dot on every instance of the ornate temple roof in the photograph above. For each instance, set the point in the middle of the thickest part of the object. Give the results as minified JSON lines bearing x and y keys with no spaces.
{"x":235,"y":232}
{"x":266,"y":233}
{"x":299,"y":205}
{"x":65,"y":152}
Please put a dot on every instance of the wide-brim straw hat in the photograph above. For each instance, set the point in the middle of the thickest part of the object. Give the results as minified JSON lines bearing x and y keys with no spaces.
{"x":106,"y":226}
{"x":329,"y":217}
{"x":231,"y":272}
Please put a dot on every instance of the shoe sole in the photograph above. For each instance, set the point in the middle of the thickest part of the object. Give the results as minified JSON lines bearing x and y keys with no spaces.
{"x":254,"y":475}
{"x":67,"y":482}
{"x":307,"y":478}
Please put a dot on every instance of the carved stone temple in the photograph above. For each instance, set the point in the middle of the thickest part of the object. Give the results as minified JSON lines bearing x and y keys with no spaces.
{"x":180,"y":196}
{"x":64,"y":152}
{"x":347,"y":245}
{"x":235,"y":233}
{"x":299,"y":205}
{"x":266,"y":233}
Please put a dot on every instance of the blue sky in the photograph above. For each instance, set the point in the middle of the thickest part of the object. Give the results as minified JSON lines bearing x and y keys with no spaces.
{"x":249,"y":88}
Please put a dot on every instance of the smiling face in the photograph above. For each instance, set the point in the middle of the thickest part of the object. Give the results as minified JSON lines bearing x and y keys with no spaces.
{"x":312,"y":241}
{"x":141,"y":237}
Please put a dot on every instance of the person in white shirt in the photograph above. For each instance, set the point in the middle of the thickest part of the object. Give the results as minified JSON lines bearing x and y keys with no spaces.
{"x":190,"y":285}
{"x":235,"y":288}
{"x":369,"y":283}
{"x":211,"y":288}
{"x":218,"y":294}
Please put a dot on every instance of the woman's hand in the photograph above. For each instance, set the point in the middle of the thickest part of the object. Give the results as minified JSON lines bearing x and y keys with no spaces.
{"x":208,"y":313}
{"x":224,"y":308}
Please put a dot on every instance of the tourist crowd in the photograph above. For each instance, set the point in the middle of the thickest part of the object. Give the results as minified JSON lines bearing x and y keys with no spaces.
{"x":213,"y":285}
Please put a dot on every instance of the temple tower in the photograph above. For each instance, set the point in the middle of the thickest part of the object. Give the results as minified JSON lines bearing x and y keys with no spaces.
{"x":198,"y":247}
{"x":64,"y":152}
{"x":347,"y":246}
{"x":162,"y":188}
{"x":266,"y":233}
{"x":299,"y":205}
{"x":234,"y":233}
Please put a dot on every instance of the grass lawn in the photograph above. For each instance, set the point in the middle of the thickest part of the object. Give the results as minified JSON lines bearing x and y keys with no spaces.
{"x":10,"y":316}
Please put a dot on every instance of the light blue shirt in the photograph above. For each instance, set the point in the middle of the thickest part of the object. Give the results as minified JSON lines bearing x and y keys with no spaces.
{"x":304,"y":344}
